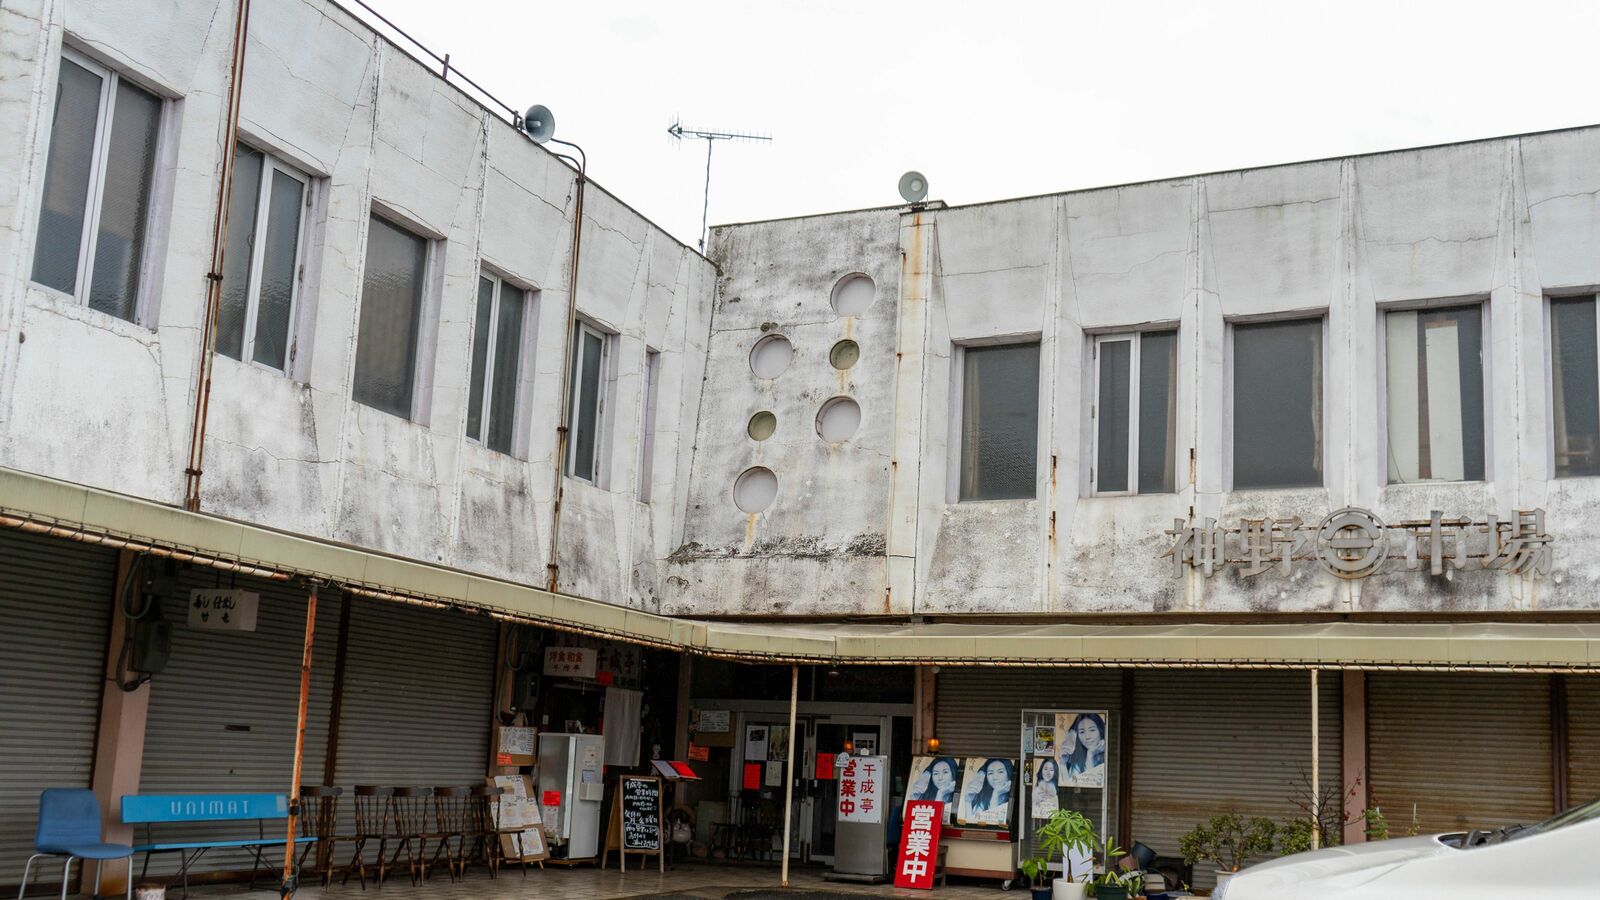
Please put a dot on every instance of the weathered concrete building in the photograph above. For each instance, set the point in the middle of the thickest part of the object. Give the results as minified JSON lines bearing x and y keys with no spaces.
{"x":1336,"y":416}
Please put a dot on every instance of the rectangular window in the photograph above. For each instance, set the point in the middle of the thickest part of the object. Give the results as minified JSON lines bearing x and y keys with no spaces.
{"x":497,"y":347}
{"x":647,"y":455}
{"x":1434,"y":371}
{"x":999,"y":422}
{"x":1277,"y":404}
{"x":1135,"y":413}
{"x":391,"y":318}
{"x":1575,"y":387}
{"x":587,"y":410}
{"x":261,"y":265}
{"x":97,"y":187}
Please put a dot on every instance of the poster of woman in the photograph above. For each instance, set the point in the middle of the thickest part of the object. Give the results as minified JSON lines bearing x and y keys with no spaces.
{"x":1083,"y":752}
{"x":935,"y":778}
{"x":986,"y":792}
{"x":1046,"y":783}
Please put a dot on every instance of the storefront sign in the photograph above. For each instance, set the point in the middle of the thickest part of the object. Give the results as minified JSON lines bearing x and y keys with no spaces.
{"x":861,"y":789}
{"x":1354,"y":543}
{"x":569,"y":662}
{"x":919,"y":845}
{"x":713,"y":721}
{"x":698,"y":753}
{"x":824,"y":766}
{"x":223,"y":609}
{"x":641,"y":813}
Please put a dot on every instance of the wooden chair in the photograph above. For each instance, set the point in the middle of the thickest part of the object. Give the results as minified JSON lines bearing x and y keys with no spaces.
{"x":408,"y":812}
{"x":372,"y":823}
{"x":451,"y":815}
{"x":319,"y":820}
{"x":484,"y":828}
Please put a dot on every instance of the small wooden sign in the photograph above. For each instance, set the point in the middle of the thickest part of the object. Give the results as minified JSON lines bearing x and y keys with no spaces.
{"x":636,"y":821}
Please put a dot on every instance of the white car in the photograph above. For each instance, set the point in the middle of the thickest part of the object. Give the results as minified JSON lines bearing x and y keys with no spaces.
{"x":1554,"y":858}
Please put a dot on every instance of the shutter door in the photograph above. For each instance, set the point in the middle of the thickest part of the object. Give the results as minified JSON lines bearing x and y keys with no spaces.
{"x":1468,"y":750}
{"x":1583,"y":738}
{"x":55,"y":600}
{"x":417,"y":695}
{"x":1207,"y":742}
{"x":978,"y":712}
{"x":222,"y":715}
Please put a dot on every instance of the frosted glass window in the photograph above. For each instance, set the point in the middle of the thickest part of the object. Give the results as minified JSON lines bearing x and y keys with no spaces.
{"x":1277,"y":404}
{"x":1434,"y":372}
{"x":391,"y":318}
{"x":999,"y":422}
{"x":261,"y":267}
{"x":1575,"y":382}
{"x":587,"y":402}
{"x":498,"y":343}
{"x":1135,"y":412}
{"x":647,"y":449}
{"x":95,"y":213}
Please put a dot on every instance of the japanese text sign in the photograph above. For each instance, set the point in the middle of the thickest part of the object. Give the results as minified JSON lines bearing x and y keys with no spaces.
{"x":861,"y":789}
{"x":571,"y":662}
{"x":825,"y":765}
{"x":223,"y":609}
{"x":919,"y":845}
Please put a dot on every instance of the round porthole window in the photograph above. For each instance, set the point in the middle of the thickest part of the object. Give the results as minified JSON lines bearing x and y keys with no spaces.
{"x":844,"y":354}
{"x":838,"y":419}
{"x":755,"y":489}
{"x":770,"y":356}
{"x":761,"y":426}
{"x":853,"y":294}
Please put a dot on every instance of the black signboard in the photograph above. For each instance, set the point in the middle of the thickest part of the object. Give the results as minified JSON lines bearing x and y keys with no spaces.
{"x":641,"y":814}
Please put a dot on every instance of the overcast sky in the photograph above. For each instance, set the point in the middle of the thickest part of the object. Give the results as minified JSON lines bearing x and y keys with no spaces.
{"x":995,"y":99}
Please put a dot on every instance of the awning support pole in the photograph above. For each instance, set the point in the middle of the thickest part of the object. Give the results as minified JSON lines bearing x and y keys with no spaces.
{"x":290,"y":877}
{"x":788,"y":769}
{"x":1316,"y":759}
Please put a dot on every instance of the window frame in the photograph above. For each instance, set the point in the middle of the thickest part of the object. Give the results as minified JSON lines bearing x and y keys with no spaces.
{"x":271,"y":163}
{"x":1135,"y":360}
{"x":428,"y":301}
{"x":1593,"y":297}
{"x":94,"y":195}
{"x":1485,"y":343}
{"x":582,"y":327}
{"x":647,"y":438}
{"x":524,"y":346}
{"x":1230,"y":389}
{"x":958,"y":394}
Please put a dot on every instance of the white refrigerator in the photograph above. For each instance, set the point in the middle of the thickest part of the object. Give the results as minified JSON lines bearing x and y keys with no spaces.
{"x":571,"y":766}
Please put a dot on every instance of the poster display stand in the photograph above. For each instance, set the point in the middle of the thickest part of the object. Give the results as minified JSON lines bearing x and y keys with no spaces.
{"x":521,"y":824}
{"x":1066,"y":763}
{"x":635,"y":822}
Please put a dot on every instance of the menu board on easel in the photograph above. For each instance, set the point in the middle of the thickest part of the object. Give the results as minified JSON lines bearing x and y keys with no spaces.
{"x":635,"y":821}
{"x":521,"y":824}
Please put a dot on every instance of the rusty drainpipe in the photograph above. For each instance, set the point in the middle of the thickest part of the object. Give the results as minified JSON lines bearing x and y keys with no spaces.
{"x":553,"y":566}
{"x":219,"y":231}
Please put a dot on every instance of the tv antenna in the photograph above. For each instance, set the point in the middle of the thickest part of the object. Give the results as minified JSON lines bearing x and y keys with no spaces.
{"x":679,"y":132}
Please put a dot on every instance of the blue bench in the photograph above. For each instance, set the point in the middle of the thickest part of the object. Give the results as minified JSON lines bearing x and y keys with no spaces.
{"x":163,"y":809}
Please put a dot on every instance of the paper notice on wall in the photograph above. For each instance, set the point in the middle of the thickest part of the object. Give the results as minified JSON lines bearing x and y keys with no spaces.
{"x":713,"y":721}
{"x":517,"y":809}
{"x":755,"y":743}
{"x":775,"y":774}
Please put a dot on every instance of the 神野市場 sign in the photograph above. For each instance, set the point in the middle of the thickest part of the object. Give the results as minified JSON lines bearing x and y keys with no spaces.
{"x":1355,"y":543}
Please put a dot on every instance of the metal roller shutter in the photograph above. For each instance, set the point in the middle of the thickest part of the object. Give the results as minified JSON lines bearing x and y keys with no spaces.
{"x":222,"y":716}
{"x":1467,"y":750}
{"x":1207,"y":742}
{"x":417,"y":696}
{"x":978,"y":712}
{"x":55,"y":608}
{"x":1583,"y":738}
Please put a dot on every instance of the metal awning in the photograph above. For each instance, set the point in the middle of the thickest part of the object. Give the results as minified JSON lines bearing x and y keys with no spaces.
{"x":45,"y":505}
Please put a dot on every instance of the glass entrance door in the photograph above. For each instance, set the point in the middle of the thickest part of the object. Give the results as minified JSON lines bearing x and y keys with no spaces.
{"x":831,"y":735}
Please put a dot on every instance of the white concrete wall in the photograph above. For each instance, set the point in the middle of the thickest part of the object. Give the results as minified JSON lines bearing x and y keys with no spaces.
{"x":96,"y":400}
{"x":1506,"y":222}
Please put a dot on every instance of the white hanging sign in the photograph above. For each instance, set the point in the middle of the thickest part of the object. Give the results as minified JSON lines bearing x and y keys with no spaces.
{"x":223,"y":609}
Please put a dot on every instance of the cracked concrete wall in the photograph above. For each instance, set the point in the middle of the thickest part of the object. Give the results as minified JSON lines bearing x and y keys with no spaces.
{"x":99,"y":401}
{"x":820,"y":547}
{"x":1504,"y":222}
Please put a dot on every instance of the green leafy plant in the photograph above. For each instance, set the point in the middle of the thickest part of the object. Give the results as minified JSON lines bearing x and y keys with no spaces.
{"x":1065,"y":830}
{"x":1377,"y":825}
{"x":1228,"y":840}
{"x":1294,"y":836}
{"x":1131,"y":883}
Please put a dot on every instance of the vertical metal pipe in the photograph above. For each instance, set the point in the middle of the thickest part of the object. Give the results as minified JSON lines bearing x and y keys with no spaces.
{"x":290,"y":879}
{"x":788,"y":770}
{"x":563,"y":425}
{"x":219,"y":243}
{"x":1316,"y":776}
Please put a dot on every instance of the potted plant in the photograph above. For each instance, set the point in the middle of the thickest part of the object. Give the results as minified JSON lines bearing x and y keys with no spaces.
{"x":1065,"y":831}
{"x":1113,"y":883}
{"x":1228,"y":841}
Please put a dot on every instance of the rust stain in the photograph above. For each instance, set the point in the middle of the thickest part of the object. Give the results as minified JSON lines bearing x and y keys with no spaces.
{"x":888,"y":599}
{"x":749,"y":531}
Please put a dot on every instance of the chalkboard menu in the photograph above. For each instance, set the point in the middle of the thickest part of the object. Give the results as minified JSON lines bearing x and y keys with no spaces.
{"x":641,"y":814}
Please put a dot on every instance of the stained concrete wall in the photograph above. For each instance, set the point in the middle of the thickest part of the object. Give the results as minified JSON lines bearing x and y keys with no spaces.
{"x":1505,"y":222}
{"x":96,"y":400}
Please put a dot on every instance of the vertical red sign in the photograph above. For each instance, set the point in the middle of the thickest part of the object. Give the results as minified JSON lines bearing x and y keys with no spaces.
{"x":919,"y":845}
{"x":752,"y":776}
{"x":825,"y":765}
